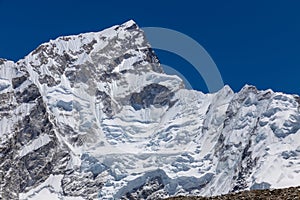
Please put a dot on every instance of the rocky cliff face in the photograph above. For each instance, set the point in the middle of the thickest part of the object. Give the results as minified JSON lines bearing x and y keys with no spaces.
{"x":94,"y":116}
{"x":292,"y":193}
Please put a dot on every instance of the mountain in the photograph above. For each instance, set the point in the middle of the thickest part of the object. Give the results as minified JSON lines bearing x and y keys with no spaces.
{"x":94,"y":116}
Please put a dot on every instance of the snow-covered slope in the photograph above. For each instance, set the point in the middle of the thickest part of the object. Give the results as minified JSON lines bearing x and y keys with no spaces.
{"x":94,"y":116}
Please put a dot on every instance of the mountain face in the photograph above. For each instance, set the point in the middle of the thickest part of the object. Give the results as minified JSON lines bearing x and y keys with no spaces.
{"x":93,"y":116}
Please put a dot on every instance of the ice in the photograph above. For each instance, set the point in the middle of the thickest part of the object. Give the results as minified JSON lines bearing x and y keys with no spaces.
{"x":4,"y":84}
{"x":67,"y":106}
{"x":204,"y":144}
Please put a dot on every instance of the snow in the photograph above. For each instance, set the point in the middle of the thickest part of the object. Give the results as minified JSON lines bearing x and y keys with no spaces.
{"x":34,"y":145}
{"x":126,"y":64}
{"x":73,"y":198}
{"x":50,"y":188}
{"x":8,"y":70}
{"x":201,"y":139}
{"x":4,"y":84}
{"x":45,"y":194}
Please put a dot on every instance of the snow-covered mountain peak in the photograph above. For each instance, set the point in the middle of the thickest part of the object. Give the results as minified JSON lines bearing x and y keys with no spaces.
{"x":94,"y":116}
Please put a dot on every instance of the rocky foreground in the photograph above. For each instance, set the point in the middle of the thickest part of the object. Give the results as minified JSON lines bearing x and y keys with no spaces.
{"x":292,"y":193}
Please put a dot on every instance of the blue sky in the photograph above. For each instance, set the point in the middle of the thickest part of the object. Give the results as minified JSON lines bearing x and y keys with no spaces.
{"x":251,"y":42}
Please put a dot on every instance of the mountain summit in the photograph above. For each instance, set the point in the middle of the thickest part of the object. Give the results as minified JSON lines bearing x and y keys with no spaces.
{"x":93,"y":116}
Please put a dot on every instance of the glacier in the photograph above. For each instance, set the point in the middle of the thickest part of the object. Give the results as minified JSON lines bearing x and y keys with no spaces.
{"x":93,"y":116}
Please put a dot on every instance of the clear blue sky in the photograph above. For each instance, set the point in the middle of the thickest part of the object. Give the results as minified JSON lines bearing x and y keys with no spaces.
{"x":253,"y":42}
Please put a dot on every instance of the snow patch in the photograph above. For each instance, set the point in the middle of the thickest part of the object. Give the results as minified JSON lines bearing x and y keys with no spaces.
{"x":34,"y":145}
